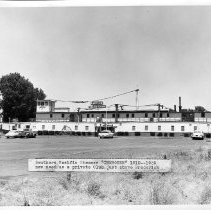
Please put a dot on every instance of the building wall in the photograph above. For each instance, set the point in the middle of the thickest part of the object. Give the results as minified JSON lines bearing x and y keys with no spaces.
{"x":54,"y":116}
{"x":170,"y":127}
{"x":200,"y":117}
{"x":131,"y":117}
{"x":174,"y":127}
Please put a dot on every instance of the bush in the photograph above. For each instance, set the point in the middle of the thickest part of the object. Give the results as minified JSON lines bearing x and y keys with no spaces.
{"x":186,"y":135}
{"x":137,"y":133}
{"x":137,"y":175}
{"x":160,"y":134}
{"x":126,"y":134}
{"x":94,"y":190}
{"x":171,"y":134}
{"x":152,"y":134}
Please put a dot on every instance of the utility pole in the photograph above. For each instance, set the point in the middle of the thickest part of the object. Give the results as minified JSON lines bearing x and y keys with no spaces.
{"x":137,"y":102}
{"x":158,"y":112}
{"x":116,"y":112}
{"x":106,"y":117}
{"x":78,"y":110}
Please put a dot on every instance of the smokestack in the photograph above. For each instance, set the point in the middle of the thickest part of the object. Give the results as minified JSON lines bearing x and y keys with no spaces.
{"x":180,"y":105}
{"x":175,"y":108}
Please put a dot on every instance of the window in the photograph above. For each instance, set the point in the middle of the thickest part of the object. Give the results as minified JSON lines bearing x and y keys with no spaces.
{"x":195,"y":128}
{"x":113,"y":115}
{"x":182,"y":128}
{"x":146,"y":127}
{"x":87,"y":115}
{"x":127,"y":115}
{"x":46,"y":103}
{"x":62,"y":115}
{"x":19,"y":126}
{"x":92,"y":115}
{"x":167,"y":114}
{"x":153,"y":115}
{"x":38,"y":103}
{"x":133,"y":115}
{"x":43,"y":127}
{"x":161,"y":115}
{"x":202,"y":114}
{"x":146,"y":114}
{"x":172,"y":128}
{"x":76,"y":127}
{"x":159,"y":127}
{"x":102,"y":115}
{"x":86,"y":128}
{"x":133,"y":128}
{"x":53,"y":127}
{"x":51,"y":115}
{"x":118,"y":115}
{"x":42,"y":103}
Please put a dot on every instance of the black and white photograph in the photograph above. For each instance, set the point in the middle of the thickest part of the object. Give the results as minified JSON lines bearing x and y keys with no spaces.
{"x":105,"y":105}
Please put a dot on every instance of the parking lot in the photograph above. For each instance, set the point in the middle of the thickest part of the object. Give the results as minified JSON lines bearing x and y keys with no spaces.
{"x":14,"y":153}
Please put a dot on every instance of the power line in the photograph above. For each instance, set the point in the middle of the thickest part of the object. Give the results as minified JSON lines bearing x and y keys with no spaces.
{"x":101,"y":99}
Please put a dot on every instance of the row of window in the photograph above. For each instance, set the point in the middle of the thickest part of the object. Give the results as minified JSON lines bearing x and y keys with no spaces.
{"x":133,"y":128}
{"x":62,"y":115}
{"x":128,"y":115}
{"x":114,"y":115}
{"x":76,"y":127}
{"x":42,"y":103}
{"x":146,"y":128}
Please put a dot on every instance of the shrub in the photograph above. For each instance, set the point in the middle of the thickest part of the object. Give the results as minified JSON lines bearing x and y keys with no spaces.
{"x":137,"y":175}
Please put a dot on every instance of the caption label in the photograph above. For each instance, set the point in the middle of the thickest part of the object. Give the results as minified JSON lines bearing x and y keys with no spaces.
{"x":100,"y":165}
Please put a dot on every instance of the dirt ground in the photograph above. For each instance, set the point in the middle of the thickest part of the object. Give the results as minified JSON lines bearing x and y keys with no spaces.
{"x":189,"y":182}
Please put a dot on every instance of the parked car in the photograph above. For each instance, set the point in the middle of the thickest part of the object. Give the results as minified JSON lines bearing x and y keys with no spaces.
{"x":29,"y":134}
{"x":197,"y":135}
{"x":14,"y":134}
{"x":106,"y":134}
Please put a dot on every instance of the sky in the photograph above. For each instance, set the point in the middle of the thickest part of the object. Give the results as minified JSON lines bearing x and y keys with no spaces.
{"x":87,"y":53}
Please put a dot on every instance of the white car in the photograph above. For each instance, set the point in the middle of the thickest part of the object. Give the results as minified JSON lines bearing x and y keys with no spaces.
{"x":106,"y":134}
{"x":198,"y":135}
{"x":13,"y":134}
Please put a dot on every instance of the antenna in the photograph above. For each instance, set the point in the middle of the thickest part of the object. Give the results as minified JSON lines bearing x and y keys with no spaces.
{"x":137,"y":102}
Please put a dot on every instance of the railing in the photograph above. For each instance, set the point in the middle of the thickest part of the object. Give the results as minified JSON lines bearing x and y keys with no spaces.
{"x":134,"y":120}
{"x":202,"y":120}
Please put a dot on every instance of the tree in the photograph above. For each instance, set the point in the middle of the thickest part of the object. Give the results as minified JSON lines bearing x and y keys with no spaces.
{"x":19,"y":97}
{"x":200,"y":109}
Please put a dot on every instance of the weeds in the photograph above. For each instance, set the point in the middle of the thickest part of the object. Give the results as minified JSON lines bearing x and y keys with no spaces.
{"x":161,"y":195}
{"x":205,"y":196}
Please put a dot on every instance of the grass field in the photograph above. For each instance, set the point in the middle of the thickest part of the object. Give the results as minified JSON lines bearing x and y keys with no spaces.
{"x":189,"y":182}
